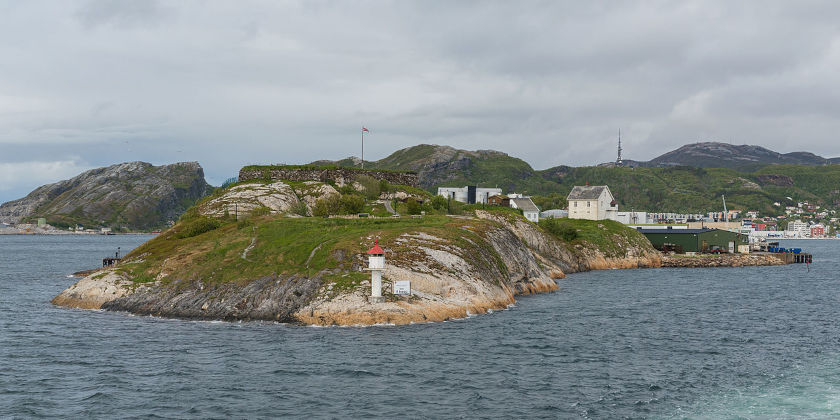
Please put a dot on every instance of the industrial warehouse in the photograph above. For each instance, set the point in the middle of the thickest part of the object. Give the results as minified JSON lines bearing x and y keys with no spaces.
{"x":694,"y":240}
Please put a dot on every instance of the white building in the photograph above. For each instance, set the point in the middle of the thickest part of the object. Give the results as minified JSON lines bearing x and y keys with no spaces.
{"x":591,"y":202}
{"x":469,"y":194}
{"x":631,"y":217}
{"x":529,"y":209}
{"x":798,"y":229}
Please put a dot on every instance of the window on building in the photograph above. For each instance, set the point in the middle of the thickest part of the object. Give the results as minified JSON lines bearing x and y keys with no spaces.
{"x":588,"y":203}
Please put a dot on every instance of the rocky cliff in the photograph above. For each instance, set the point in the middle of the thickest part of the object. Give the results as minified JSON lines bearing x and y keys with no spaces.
{"x":133,"y":195}
{"x":282,"y":267}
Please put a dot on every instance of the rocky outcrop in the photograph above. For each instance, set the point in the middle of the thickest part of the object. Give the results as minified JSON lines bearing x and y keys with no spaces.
{"x":277,"y":197}
{"x":273,"y":298}
{"x":94,"y":290}
{"x":310,"y":192}
{"x":778,"y":180}
{"x":722,"y":260}
{"x":244,"y":198}
{"x":133,"y":195}
{"x":577,"y":258}
{"x":340,"y":176}
{"x":447,"y":282}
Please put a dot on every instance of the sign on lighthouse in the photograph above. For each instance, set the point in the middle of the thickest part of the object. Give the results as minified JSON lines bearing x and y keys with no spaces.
{"x":376,"y":265}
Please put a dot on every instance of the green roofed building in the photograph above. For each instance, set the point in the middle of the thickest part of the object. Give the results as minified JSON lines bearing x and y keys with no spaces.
{"x":693,"y":240}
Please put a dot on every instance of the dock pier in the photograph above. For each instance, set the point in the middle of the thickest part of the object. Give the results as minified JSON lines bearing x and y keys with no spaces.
{"x":790,"y":258}
{"x":109,"y":261}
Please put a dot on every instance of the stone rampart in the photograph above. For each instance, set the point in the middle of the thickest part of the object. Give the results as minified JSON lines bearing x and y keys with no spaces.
{"x":340,"y":176}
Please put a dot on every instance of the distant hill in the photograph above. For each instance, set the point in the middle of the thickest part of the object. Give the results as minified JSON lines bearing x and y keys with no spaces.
{"x":447,"y":166}
{"x":133,"y":195}
{"x":725,"y":155}
{"x":675,"y":186}
{"x":691,"y":189}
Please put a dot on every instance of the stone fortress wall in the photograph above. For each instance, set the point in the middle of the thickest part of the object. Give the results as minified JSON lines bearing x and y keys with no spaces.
{"x":340,"y":176}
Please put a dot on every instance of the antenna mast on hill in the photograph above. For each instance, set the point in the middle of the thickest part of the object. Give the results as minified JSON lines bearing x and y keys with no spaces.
{"x":619,"y":162}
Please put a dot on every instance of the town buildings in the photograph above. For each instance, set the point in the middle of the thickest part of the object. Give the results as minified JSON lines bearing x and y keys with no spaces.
{"x":492,"y":196}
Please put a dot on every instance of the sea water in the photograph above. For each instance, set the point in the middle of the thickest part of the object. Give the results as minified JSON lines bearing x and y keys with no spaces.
{"x":756,"y":342}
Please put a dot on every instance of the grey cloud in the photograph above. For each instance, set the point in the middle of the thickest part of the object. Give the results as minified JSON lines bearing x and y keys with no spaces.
{"x":120,"y":13}
{"x":232,"y":83}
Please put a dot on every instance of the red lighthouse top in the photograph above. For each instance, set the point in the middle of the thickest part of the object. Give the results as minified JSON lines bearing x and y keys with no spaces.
{"x":376,"y":250}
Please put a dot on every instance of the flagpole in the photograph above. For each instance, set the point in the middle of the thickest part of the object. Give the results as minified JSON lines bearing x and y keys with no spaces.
{"x":363,"y":147}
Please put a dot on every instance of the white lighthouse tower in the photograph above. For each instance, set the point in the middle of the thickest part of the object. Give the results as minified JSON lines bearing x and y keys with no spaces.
{"x":376,"y":265}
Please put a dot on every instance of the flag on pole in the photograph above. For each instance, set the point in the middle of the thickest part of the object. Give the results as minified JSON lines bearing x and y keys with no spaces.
{"x":365,"y":130}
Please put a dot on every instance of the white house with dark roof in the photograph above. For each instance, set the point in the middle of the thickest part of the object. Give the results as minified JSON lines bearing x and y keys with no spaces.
{"x":591,"y":202}
{"x":529,"y":209}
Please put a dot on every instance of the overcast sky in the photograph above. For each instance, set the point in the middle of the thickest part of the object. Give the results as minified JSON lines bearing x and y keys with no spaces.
{"x":85,"y":84}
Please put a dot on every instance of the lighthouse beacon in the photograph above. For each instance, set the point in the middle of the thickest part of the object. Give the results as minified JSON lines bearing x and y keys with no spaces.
{"x":376,"y":265}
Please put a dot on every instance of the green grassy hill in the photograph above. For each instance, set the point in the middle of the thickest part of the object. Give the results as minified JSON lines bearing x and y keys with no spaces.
{"x":688,"y":189}
{"x":670,"y":189}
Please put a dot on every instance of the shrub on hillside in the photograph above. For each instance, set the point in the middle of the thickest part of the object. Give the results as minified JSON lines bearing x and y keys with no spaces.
{"x":371,"y":186}
{"x":412,"y":206}
{"x":299,"y":208}
{"x":326,"y":206}
{"x":352,"y":204}
{"x":191,"y":214}
{"x":560,"y":228}
{"x":197,"y":227}
{"x":454,"y":207}
{"x":438,"y":202}
{"x":550,"y":201}
{"x":384,"y":186}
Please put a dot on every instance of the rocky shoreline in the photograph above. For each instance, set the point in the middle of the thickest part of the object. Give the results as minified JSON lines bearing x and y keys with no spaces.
{"x":509,"y":257}
{"x":722,"y":260}
{"x":455,"y":288}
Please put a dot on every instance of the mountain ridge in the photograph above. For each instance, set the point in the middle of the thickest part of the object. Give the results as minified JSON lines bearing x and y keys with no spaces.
{"x":131,"y":195}
{"x":726,"y":155}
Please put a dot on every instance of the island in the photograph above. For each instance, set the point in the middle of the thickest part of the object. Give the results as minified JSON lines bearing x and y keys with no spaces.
{"x":289,"y":245}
